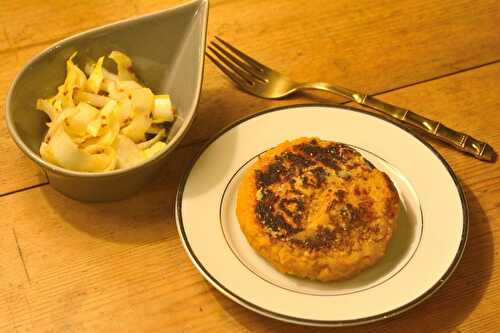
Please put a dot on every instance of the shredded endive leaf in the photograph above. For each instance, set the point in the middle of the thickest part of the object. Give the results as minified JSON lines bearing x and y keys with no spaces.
{"x":124,"y":65}
{"x":62,"y":151}
{"x":105,"y":121}
{"x":76,"y":124}
{"x":163,"y":110}
{"x":96,"y":77}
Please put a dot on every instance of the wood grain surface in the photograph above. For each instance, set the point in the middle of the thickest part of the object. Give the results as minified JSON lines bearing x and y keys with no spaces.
{"x":67,"y":266}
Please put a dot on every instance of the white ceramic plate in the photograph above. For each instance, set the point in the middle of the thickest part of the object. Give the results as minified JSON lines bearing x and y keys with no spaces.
{"x":427,"y":245}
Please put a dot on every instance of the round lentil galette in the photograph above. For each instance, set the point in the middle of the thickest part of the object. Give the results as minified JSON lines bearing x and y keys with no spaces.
{"x":317,"y":209}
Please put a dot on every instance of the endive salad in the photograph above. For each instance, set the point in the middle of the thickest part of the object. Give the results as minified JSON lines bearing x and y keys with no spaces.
{"x":101,"y":121}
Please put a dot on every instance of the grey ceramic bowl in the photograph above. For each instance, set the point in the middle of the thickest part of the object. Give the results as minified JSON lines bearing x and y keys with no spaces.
{"x":168,"y":52}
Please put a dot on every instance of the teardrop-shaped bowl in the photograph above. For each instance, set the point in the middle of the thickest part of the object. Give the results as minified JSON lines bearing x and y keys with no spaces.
{"x":167,"y":48}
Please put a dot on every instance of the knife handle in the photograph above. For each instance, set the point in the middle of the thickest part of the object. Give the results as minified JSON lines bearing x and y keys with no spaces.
{"x":460,"y":141}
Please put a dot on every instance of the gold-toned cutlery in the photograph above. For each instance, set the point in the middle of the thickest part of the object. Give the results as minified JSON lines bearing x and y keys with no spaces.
{"x":262,"y":81}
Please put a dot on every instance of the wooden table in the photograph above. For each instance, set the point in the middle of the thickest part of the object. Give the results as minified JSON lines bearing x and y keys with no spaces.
{"x":67,"y":266}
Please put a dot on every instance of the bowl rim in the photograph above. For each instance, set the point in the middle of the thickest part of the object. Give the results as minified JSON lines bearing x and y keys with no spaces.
{"x":117,"y":172}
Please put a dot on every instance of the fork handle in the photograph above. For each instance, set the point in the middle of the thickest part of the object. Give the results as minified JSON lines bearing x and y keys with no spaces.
{"x":459,"y":140}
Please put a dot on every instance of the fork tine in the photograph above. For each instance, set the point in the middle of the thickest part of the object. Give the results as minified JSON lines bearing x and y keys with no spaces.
{"x":257,"y":65}
{"x":228,"y":63}
{"x":235,"y":77}
{"x":257,"y":74}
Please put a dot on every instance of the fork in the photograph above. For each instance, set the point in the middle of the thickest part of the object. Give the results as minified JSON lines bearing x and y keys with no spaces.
{"x":262,"y":81}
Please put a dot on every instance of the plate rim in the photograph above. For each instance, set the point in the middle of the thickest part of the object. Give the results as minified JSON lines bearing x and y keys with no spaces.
{"x":328,"y":323}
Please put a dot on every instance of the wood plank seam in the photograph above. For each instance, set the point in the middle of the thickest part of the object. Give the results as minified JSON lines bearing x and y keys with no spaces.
{"x":21,"y":256}
{"x":48,"y":44}
{"x":463,"y":70}
{"x":23,"y":189}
